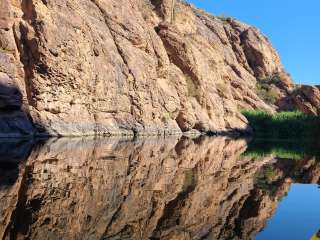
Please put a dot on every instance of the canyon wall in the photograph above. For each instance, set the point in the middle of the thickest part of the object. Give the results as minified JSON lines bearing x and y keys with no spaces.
{"x":118,"y":67}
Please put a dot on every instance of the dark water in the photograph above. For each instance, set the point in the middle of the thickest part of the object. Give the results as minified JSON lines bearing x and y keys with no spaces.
{"x":205,"y":188}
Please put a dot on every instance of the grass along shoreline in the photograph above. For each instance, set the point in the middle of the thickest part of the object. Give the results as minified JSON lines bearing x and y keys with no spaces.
{"x":283,"y":125}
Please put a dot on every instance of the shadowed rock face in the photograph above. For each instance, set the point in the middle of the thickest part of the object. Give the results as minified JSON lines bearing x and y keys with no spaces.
{"x":10,"y":96}
{"x":122,"y":67}
{"x":147,"y":189}
{"x":14,"y":121}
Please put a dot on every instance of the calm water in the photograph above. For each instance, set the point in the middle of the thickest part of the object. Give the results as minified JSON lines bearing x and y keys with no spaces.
{"x":205,"y":188}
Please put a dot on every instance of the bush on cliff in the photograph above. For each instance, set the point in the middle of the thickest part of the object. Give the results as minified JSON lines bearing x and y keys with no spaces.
{"x":3,"y":50}
{"x":265,"y":89}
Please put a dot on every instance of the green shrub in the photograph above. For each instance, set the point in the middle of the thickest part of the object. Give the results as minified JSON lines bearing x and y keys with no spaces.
{"x":224,"y":18}
{"x":146,"y":9}
{"x":267,"y":94}
{"x":265,"y":89}
{"x":272,"y":79}
{"x":166,"y":117}
{"x":283,"y":124}
{"x":193,"y":89}
{"x":3,"y":50}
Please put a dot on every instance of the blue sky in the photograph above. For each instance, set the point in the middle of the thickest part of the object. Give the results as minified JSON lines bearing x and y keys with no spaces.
{"x":293,"y":26}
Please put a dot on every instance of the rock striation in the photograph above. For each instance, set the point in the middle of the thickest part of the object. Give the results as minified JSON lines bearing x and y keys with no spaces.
{"x":118,"y":67}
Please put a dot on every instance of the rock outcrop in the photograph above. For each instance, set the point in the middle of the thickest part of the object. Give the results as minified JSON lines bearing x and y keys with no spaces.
{"x":148,"y":189}
{"x":304,"y":98}
{"x":127,"y":67}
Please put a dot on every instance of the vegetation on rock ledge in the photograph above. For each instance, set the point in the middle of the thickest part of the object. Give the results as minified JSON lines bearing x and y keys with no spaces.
{"x":3,"y":50}
{"x":265,"y":89}
{"x":193,"y":88}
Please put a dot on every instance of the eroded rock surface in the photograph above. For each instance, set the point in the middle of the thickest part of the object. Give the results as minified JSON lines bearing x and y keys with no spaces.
{"x":123,"y":67}
{"x":147,"y":189}
{"x":305,"y":99}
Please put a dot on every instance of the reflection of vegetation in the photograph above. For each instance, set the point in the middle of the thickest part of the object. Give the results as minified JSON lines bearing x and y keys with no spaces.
{"x":189,"y":179}
{"x":295,"y":150}
{"x":265,"y":178}
{"x":283,"y":124}
{"x":277,"y":152}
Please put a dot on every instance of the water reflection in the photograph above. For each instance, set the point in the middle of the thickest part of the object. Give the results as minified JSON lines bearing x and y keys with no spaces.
{"x":205,"y":188}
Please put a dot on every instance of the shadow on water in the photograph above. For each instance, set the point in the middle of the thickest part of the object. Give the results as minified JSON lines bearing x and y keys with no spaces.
{"x":87,"y":188}
{"x":13,"y":152}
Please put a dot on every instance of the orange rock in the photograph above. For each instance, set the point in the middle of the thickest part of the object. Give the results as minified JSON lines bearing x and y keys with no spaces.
{"x":5,"y":15}
{"x":112,"y":67}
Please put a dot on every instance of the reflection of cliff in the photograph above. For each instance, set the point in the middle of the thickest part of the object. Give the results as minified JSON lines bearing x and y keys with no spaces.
{"x":12,"y":154}
{"x":149,"y":189}
{"x":272,"y":183}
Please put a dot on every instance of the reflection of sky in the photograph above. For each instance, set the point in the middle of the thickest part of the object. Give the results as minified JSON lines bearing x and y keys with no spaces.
{"x":297,"y":216}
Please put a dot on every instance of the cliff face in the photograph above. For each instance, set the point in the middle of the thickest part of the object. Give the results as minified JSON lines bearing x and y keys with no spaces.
{"x":123,"y":67}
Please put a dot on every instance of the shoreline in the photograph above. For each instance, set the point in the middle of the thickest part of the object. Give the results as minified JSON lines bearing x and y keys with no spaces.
{"x":133,"y":134}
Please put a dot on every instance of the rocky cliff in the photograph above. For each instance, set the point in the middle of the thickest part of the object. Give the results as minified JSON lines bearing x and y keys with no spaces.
{"x":304,"y":98}
{"x":129,"y":67}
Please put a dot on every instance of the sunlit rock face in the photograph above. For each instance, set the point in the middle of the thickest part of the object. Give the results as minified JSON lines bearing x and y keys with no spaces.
{"x":305,"y":99}
{"x":118,"y":67}
{"x":146,"y":189}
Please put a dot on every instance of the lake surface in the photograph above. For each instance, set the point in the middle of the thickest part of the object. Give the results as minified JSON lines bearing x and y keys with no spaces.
{"x":205,"y":188}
